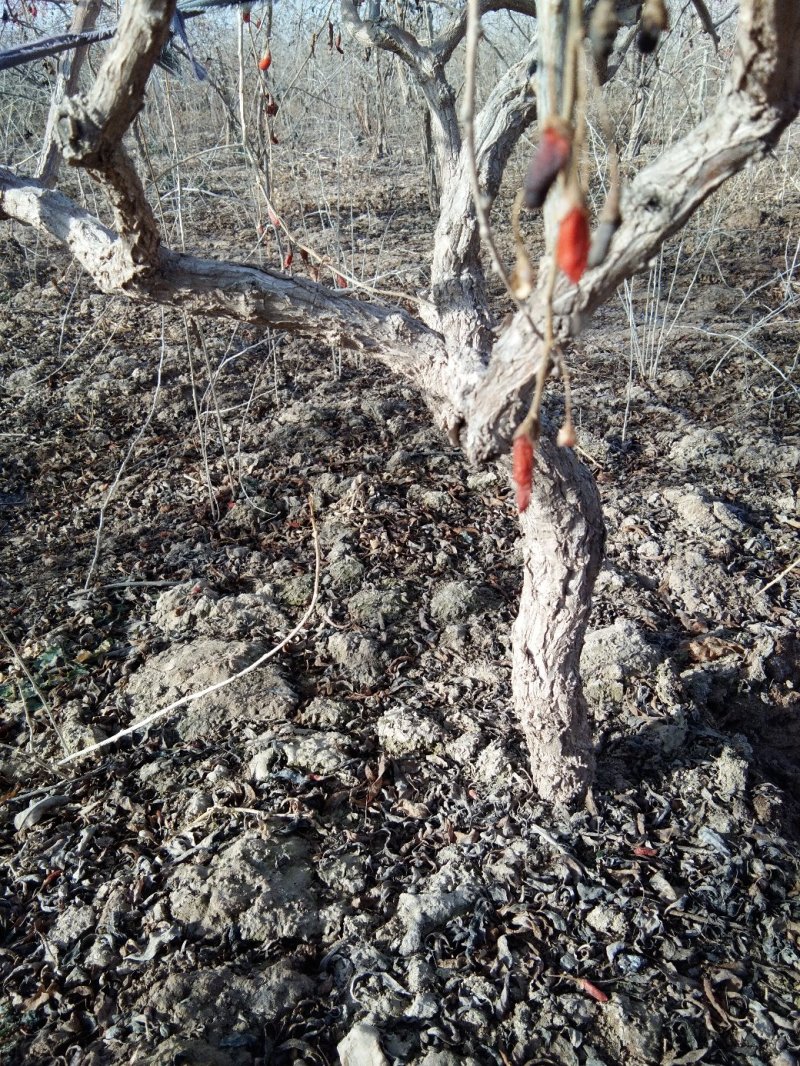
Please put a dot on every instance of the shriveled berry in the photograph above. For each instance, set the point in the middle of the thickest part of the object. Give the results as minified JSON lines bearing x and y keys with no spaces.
{"x":550,"y":158}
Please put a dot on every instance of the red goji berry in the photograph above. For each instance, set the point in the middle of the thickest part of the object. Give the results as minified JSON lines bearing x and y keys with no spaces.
{"x":593,"y":990}
{"x":572,"y":245}
{"x":522,"y":469}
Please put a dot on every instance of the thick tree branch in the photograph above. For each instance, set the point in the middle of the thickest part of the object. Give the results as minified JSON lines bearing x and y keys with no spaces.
{"x":386,"y":34}
{"x":507,"y":112}
{"x":453,"y":33}
{"x":761,"y":99}
{"x":259,"y":297}
{"x":91,"y":128}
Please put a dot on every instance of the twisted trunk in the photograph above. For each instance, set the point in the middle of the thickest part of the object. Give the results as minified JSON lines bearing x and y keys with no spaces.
{"x":562,"y":543}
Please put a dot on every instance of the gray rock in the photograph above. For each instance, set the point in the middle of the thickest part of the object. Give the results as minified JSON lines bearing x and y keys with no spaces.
{"x":325,"y":713}
{"x":374,"y":607}
{"x":456,"y":601}
{"x":418,"y":914}
{"x":296,"y":591}
{"x":317,"y":752}
{"x":72,"y":924}
{"x":361,"y":1047}
{"x":494,"y":763}
{"x":257,"y":698}
{"x":264,"y":886}
{"x":216,"y":999}
{"x":344,"y":874}
{"x":360,"y":656}
{"x":190,"y":1052}
{"x":633,"y":1032}
{"x":699,"y":447}
{"x":196,"y":608}
{"x":620,"y":647}
{"x":607,"y":920}
{"x":346,"y":573}
{"x":402,"y":731}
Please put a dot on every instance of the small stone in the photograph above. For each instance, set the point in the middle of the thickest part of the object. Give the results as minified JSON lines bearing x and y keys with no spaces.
{"x":361,"y":1047}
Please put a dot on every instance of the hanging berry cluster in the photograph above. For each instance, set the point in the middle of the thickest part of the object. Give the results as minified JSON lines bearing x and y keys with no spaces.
{"x":554,"y":164}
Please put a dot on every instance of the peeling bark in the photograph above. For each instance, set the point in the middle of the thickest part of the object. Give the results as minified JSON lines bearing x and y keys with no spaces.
{"x":91,"y":128}
{"x":562,"y":540}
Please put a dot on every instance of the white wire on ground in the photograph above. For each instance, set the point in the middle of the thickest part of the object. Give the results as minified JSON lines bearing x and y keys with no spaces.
{"x":142,"y":723}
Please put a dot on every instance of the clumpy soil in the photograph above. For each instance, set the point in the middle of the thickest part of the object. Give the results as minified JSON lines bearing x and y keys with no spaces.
{"x":339,"y":856}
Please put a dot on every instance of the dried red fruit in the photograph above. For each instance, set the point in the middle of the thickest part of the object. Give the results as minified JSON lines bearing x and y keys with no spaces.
{"x":522,"y":469}
{"x":276,"y":222}
{"x":340,"y":281}
{"x":288,"y":259}
{"x":593,"y":990}
{"x":645,"y":853}
{"x":272,"y":105}
{"x":304,"y":255}
{"x":572,"y":244}
{"x":551,"y":156}
{"x":266,"y":60}
{"x":245,"y":14}
{"x":272,"y":138}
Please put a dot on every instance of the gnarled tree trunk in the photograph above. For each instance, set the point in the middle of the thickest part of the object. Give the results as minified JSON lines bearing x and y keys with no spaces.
{"x":562,"y":543}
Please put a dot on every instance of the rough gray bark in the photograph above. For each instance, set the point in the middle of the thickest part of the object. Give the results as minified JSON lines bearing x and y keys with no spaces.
{"x":478,"y":386}
{"x":563,"y":537}
{"x":91,"y":128}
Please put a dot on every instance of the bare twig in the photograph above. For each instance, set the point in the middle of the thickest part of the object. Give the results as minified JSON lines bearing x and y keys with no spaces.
{"x":786,"y":570}
{"x":43,"y":700}
{"x":468,"y":117}
{"x":123,"y":465}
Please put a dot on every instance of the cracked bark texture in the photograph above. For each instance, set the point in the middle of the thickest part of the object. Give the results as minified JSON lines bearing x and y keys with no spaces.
{"x":562,"y":543}
{"x":90,"y":129}
{"x":477,"y":384}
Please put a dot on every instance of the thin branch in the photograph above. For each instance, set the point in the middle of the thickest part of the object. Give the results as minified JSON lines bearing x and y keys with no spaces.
{"x":123,"y":465}
{"x":481,"y":208}
{"x":786,"y":570}
{"x":31,"y":680}
{"x":468,"y":117}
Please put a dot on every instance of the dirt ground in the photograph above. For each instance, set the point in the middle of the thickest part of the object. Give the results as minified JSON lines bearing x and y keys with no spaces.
{"x":341,"y":849}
